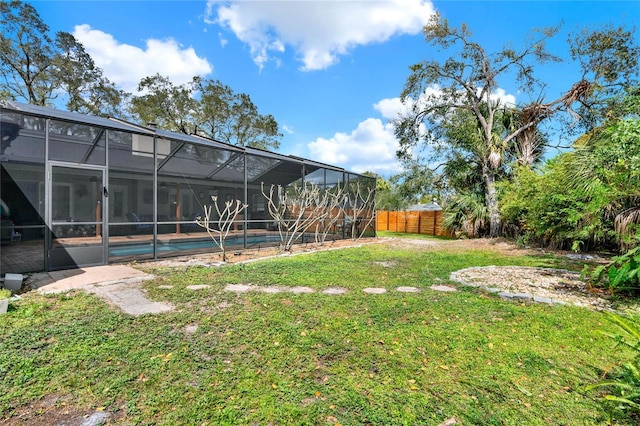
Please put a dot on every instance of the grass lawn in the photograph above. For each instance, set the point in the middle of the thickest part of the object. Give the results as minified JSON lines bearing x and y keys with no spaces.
{"x":259,"y":358}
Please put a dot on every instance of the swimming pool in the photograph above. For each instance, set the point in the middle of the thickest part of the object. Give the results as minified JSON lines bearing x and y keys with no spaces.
{"x":145,"y":249}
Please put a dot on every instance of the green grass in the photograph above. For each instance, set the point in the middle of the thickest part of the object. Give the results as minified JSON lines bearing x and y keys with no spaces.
{"x":257,"y":358}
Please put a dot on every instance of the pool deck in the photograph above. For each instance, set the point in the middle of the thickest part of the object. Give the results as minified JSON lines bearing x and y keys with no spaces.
{"x":83,"y":278}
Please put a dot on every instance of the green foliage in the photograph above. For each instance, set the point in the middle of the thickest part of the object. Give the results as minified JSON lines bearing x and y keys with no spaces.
{"x":454,"y":112}
{"x":4,"y":293}
{"x":540,"y":206}
{"x":622,"y":386}
{"x":621,"y":274}
{"x":387,"y":196}
{"x":466,"y":214}
{"x":477,"y":139}
{"x":608,"y":57}
{"x":36,"y":67}
{"x":415,"y":184}
{"x":205,"y":107}
{"x":582,"y":199}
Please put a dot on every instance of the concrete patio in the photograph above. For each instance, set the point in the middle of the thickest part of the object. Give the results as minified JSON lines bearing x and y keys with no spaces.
{"x":118,"y":285}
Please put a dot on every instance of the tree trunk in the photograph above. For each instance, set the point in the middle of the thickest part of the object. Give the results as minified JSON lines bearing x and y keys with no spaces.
{"x":491,"y":198}
{"x":526,"y":147}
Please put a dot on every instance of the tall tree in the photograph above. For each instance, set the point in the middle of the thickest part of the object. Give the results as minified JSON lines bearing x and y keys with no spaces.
{"x":233,"y":118}
{"x":468,"y":82}
{"x":86,"y":88}
{"x":205,"y":107}
{"x":169,"y":106}
{"x":26,"y":54}
{"x":608,"y":59}
{"x":39,"y":69}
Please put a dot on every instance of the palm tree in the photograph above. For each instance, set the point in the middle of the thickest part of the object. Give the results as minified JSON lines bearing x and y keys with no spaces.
{"x":606,"y":161}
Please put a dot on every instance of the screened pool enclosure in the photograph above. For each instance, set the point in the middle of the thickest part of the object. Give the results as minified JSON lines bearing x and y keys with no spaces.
{"x":78,"y":190}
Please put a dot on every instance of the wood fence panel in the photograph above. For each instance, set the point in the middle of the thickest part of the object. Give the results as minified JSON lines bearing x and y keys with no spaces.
{"x":402,"y":221}
{"x":441,"y":231}
{"x":413,"y":222}
{"x":393,"y":222}
{"x":426,"y":223}
{"x":382,"y":221}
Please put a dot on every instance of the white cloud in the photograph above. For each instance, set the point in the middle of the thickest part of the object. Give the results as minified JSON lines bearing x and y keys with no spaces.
{"x":503,"y":97}
{"x":288,"y":129}
{"x":223,"y":40}
{"x":370,"y":147}
{"x":392,"y":108}
{"x":125,"y":64}
{"x":318,"y":31}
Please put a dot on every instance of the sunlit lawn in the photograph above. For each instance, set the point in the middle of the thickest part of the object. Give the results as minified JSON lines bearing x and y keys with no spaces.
{"x":258,"y":358}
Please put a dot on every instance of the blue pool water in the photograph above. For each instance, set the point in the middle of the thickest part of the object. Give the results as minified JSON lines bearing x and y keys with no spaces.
{"x":141,"y":249}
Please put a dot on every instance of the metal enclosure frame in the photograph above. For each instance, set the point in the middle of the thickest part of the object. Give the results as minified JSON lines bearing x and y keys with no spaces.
{"x":155,"y":182}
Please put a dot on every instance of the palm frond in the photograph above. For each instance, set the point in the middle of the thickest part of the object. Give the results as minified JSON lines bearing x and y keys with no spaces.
{"x":624,"y":220}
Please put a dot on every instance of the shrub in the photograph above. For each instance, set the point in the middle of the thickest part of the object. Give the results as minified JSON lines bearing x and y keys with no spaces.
{"x":621,"y":274}
{"x":622,"y":386}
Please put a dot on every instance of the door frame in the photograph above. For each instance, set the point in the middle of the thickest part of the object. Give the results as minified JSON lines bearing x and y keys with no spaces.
{"x":100,"y":251}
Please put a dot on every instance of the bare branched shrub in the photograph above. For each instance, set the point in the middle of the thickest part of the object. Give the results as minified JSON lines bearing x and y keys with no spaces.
{"x":334,"y":213}
{"x":219,"y":229}
{"x":362,"y":207}
{"x":296,"y":209}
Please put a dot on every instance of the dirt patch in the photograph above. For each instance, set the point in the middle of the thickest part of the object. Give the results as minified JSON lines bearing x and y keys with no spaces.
{"x":57,"y":410}
{"x":389,"y":264}
{"x":248,"y":255}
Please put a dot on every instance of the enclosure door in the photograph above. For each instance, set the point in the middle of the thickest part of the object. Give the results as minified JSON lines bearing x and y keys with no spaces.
{"x":76,"y":216}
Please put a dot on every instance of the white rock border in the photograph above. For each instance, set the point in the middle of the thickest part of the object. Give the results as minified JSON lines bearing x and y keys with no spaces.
{"x":521,"y":296}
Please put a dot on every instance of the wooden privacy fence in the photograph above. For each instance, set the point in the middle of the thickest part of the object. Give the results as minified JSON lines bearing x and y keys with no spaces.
{"x":413,"y":222}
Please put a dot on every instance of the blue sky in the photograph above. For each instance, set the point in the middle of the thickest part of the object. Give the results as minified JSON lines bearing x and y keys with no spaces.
{"x":330,"y":72}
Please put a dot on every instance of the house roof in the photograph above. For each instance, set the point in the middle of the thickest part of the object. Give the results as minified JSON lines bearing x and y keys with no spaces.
{"x":183,"y":153}
{"x":424,"y":207}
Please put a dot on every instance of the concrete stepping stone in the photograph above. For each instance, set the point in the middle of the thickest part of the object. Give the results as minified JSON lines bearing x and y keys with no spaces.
{"x":130,"y":300}
{"x":388,"y":264}
{"x":374,"y":290}
{"x":299,"y":290}
{"x":443,"y":288}
{"x":198,"y":286}
{"x":334,"y":290}
{"x":408,"y":289}
{"x":96,"y":419}
{"x":271,"y":290}
{"x":239,"y":288}
{"x":190,"y":329}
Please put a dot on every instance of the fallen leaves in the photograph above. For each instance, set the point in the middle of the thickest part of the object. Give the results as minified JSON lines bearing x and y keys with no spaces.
{"x":163,"y":357}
